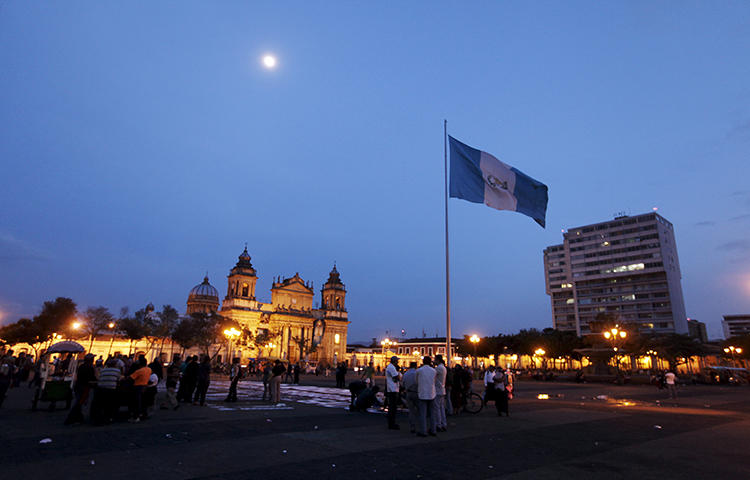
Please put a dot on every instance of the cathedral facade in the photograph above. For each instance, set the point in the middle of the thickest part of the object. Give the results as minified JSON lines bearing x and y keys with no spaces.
{"x":294,"y":328}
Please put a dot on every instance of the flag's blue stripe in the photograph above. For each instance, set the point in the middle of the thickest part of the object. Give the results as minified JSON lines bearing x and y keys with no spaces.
{"x":531,"y":197}
{"x":466,"y":177}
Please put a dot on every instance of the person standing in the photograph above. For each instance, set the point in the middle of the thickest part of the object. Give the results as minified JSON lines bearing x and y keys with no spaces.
{"x":157,"y":367}
{"x":203,"y":380}
{"x":235,"y":373}
{"x":457,"y":389}
{"x":368,"y":375}
{"x":426,"y":388}
{"x":140,"y":379}
{"x":338,"y":376}
{"x":670,"y":380}
{"x":441,"y":423}
{"x":267,"y":380}
{"x":7,"y":368}
{"x":85,"y":379}
{"x":105,"y":404}
{"x":412,"y":395}
{"x":297,"y":369}
{"x":190,"y":378}
{"x":277,"y":371}
{"x":500,"y":392}
{"x":173,"y":376}
{"x":289,"y":378}
{"x":392,"y":377}
{"x":489,"y":384}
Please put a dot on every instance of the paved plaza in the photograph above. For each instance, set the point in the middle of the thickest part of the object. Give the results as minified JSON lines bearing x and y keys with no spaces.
{"x":580,"y":431}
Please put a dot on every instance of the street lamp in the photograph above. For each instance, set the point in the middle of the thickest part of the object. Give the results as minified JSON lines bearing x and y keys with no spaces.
{"x":474,"y":340}
{"x":73,"y":326}
{"x":386,"y":344}
{"x":651,"y":354}
{"x":231,"y":334}
{"x":111,"y":326}
{"x":613,"y":335}
{"x":269,"y":346}
{"x":539,"y":352}
{"x":732,"y":350}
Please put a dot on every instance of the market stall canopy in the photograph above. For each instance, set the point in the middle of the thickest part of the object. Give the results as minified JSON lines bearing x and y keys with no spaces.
{"x":67,"y":346}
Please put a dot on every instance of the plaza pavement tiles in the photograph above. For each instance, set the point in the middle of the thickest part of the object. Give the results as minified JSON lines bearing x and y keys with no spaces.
{"x":581,"y":431}
{"x":308,"y":394}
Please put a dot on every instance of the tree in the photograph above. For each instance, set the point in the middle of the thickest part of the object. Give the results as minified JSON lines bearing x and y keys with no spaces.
{"x":168,"y":322}
{"x":96,"y":319}
{"x":22,"y":331}
{"x":305,"y":345}
{"x":203,"y":330}
{"x":677,"y":348}
{"x":264,"y":337}
{"x":133,"y":327}
{"x":184,"y":333}
{"x":56,"y":316}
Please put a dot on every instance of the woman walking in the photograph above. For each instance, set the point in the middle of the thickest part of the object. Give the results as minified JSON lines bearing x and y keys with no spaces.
{"x":500,"y":392}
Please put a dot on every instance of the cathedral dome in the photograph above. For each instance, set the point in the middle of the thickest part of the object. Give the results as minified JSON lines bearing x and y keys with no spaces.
{"x":204,"y":289}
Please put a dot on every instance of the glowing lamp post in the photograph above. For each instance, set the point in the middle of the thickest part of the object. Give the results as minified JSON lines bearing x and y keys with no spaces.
{"x":386,"y":344}
{"x":269,"y":347}
{"x":731,"y":350}
{"x":474,"y":340}
{"x":111,"y":327}
{"x":74,"y":327}
{"x":539,"y":352}
{"x":614,"y":335}
{"x":652,"y":355}
{"x":231,"y":334}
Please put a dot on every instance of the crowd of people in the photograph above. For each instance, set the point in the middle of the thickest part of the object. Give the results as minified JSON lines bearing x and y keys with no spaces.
{"x":429,"y":392}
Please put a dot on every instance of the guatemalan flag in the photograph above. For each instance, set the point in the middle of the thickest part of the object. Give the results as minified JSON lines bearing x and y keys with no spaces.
{"x":479,"y":177}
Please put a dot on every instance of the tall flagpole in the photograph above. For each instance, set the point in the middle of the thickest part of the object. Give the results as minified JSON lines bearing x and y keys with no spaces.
{"x":447,"y":261}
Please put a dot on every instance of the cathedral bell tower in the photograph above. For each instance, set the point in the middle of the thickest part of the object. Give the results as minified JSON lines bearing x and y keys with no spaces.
{"x":333,"y":293}
{"x":241,"y":279}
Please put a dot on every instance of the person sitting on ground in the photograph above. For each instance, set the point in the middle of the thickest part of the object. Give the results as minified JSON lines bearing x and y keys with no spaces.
{"x":367,"y":399}
{"x":355,"y":388}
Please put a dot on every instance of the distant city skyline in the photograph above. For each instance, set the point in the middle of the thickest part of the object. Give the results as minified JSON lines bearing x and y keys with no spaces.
{"x":142,"y":147}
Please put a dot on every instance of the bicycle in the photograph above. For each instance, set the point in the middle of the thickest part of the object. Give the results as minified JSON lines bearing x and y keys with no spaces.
{"x":473,"y":402}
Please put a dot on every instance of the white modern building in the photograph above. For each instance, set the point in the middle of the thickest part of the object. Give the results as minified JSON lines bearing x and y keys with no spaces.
{"x":736,"y":325}
{"x":627,"y":268}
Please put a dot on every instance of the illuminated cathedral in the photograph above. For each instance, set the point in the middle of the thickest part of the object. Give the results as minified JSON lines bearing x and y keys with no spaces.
{"x":295,"y":329}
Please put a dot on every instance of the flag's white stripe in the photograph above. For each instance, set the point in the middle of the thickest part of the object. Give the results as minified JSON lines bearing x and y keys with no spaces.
{"x":499,"y":183}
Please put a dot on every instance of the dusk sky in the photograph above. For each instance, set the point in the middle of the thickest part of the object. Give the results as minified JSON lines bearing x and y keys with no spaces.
{"x":143,"y":143}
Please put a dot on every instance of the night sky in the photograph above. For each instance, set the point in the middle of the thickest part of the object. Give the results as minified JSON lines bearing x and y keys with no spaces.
{"x":143,"y":143}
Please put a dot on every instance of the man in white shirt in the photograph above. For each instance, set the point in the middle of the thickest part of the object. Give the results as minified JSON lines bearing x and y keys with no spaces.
{"x":426,"y":386}
{"x":392,"y":376}
{"x":670,"y":378}
{"x":489,"y":383}
{"x":409,"y":381}
{"x":441,"y":423}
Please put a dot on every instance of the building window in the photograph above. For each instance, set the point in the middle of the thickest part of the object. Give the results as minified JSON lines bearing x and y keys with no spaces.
{"x":245,"y":290}
{"x":336,"y":338}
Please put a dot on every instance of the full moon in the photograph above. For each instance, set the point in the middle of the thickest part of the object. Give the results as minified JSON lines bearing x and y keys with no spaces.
{"x":269,"y":61}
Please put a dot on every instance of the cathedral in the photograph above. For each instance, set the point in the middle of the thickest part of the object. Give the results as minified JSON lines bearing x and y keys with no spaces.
{"x":294,"y":329}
